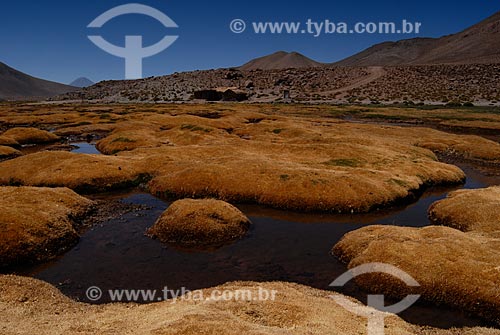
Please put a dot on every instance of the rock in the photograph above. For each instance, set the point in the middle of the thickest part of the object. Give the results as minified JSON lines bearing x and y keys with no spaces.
{"x":214,"y":95}
{"x":233,"y":75}
{"x":29,"y":136}
{"x":199,"y":223}
{"x":37,"y":224}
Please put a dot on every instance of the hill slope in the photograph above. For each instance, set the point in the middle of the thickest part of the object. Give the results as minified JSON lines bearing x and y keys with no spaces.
{"x":477,"y":44}
{"x":17,"y":85}
{"x":280,"y":60}
{"x":82,"y":82}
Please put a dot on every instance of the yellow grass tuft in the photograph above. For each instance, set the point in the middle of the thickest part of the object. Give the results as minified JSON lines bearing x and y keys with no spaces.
{"x":37,"y":223}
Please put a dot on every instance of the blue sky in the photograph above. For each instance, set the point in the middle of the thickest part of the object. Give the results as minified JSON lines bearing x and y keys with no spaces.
{"x":48,"y":39}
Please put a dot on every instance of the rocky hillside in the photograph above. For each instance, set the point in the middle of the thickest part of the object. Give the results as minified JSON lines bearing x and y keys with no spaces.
{"x":431,"y":84}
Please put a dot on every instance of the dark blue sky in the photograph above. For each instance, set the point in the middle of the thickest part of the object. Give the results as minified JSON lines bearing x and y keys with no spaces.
{"x":48,"y":39}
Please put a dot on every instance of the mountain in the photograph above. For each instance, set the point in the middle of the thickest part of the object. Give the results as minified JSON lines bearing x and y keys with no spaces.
{"x":280,"y":60}
{"x":82,"y":82}
{"x":16,"y":85}
{"x":390,"y":53}
{"x":477,"y":44}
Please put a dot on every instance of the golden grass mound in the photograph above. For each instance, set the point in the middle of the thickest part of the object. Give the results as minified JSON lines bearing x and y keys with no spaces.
{"x":28,"y":136}
{"x":299,"y":165}
{"x":290,"y":157}
{"x":454,"y":268}
{"x":200,"y":223}
{"x":80,"y":172}
{"x":470,"y":211}
{"x":29,"y":306}
{"x":37,"y":223}
{"x":8,"y":152}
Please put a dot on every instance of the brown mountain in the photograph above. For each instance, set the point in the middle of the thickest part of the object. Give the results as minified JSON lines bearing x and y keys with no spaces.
{"x":280,"y":60}
{"x":15,"y":85}
{"x":477,"y":44}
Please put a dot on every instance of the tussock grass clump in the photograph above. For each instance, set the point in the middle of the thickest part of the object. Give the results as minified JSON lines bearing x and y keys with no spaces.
{"x":29,"y":136}
{"x":8,"y":152}
{"x":330,"y":165}
{"x":200,"y":223}
{"x":38,"y":223}
{"x":31,"y":306}
{"x":457,"y":266}
{"x":80,"y":172}
{"x":470,"y":211}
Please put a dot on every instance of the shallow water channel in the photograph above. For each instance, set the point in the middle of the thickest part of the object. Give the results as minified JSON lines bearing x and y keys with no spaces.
{"x":281,"y":245}
{"x":76,"y":147}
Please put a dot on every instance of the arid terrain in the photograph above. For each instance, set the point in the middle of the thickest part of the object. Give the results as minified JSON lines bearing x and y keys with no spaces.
{"x":342,"y":160}
{"x":457,"y":69}
{"x":425,"y":84}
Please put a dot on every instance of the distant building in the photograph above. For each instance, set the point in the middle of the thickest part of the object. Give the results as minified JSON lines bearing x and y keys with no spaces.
{"x":286,"y":96}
